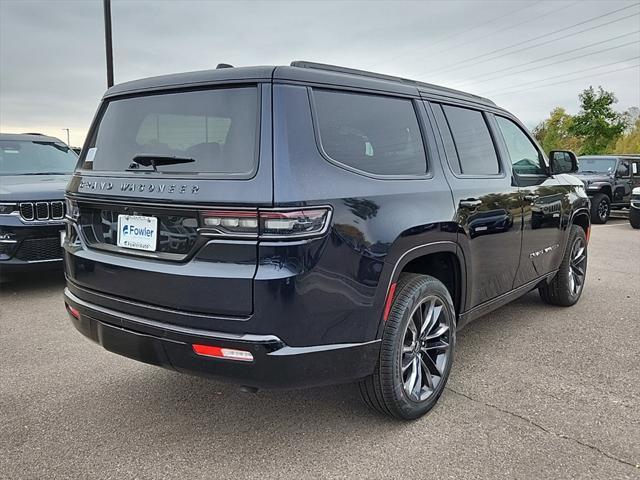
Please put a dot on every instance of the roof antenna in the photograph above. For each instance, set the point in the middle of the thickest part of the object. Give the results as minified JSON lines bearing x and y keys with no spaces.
{"x":224,"y":65}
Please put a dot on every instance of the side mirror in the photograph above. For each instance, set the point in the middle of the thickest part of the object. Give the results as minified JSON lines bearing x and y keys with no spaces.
{"x":563,"y":161}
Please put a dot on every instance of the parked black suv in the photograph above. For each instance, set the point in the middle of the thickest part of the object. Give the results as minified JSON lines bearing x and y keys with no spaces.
{"x":609,"y":180}
{"x":310,"y":225}
{"x":34,"y":171}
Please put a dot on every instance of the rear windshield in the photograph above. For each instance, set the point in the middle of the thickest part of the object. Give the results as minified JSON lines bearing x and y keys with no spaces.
{"x":23,"y":157}
{"x":196,"y":132}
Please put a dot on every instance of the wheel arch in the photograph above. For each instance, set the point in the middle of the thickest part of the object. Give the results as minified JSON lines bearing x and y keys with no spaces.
{"x":582,"y":218}
{"x":443,"y":260}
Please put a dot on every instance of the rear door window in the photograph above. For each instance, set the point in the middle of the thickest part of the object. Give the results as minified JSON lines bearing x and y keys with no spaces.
{"x":474,"y":149}
{"x":195,"y":132}
{"x":371,"y":133}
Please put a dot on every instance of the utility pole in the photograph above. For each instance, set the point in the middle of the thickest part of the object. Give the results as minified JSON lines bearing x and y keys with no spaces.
{"x":107,"y":41}
{"x":68,"y":144}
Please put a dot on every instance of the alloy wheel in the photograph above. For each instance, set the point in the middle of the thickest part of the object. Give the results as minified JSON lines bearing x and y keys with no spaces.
{"x":426,"y":350}
{"x":603,"y":209}
{"x":578,"y":264}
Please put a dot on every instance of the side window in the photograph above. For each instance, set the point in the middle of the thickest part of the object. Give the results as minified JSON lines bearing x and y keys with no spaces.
{"x":370,"y":133}
{"x":474,"y":146}
{"x":524,"y":155}
{"x":635,"y":167}
{"x":623,"y":169}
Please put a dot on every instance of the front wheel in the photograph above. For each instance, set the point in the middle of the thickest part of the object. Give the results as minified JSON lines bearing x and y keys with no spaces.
{"x":600,"y":208}
{"x":566,"y":287}
{"x":416,"y":351}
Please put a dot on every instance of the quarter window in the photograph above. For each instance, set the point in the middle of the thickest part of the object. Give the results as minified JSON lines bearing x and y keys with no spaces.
{"x":371,"y":133}
{"x":524,"y":155}
{"x":623,"y":169}
{"x":474,"y":146}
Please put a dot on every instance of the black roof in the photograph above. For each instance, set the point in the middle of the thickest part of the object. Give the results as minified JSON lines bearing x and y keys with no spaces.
{"x":29,"y":137}
{"x":299,"y":71}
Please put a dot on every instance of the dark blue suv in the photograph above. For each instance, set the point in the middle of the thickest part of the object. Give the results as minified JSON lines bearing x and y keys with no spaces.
{"x":310,"y":224}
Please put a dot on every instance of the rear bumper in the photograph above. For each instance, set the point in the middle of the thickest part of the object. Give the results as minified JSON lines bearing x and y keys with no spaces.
{"x":274,"y":365}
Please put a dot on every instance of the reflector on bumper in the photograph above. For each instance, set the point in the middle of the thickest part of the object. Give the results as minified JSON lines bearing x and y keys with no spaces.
{"x":219,"y":352}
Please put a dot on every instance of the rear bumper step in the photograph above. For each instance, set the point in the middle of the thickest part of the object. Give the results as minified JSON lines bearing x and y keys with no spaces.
{"x":274,"y":365}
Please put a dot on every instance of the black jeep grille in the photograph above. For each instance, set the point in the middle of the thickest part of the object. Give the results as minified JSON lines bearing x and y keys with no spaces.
{"x":31,"y":211}
{"x":35,"y":249}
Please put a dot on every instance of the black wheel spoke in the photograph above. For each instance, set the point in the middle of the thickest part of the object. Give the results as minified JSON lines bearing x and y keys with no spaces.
{"x":431,"y":365}
{"x":427,"y":374}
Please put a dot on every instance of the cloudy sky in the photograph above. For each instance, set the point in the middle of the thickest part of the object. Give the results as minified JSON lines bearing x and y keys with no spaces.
{"x":528,"y":56}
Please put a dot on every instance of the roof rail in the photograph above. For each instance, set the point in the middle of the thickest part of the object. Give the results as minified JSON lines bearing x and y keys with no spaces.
{"x":351,"y":71}
{"x":382,"y":76}
{"x":34,"y":133}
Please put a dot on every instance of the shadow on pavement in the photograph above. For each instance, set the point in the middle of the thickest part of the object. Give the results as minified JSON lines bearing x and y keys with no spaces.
{"x":32,"y":283}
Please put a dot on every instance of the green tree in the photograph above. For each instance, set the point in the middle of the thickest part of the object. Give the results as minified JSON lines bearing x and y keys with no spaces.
{"x":597,"y":124}
{"x":630,"y":141}
{"x":553,"y":133}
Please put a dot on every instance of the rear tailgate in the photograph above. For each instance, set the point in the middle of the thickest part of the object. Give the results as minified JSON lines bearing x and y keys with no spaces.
{"x":180,"y":266}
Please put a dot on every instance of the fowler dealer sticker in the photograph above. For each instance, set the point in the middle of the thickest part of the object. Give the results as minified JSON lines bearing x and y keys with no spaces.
{"x":137,"y":232}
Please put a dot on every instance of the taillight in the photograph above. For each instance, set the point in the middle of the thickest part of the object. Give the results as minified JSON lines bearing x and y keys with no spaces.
{"x":231,"y":222}
{"x":73,"y":211}
{"x":272,"y":224}
{"x":294,"y":223}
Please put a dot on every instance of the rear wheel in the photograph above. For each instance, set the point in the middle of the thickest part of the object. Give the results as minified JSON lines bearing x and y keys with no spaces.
{"x":600,"y":208}
{"x":566,"y":287}
{"x":634,"y":217}
{"x":416,"y":352}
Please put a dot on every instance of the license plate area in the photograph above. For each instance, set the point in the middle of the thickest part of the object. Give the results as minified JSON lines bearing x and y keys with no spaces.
{"x":137,"y":232}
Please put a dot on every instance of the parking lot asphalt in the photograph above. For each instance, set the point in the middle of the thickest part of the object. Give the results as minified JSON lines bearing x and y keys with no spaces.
{"x":535,"y":392}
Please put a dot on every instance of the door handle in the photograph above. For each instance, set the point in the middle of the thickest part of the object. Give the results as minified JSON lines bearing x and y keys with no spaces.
{"x":470,"y":203}
{"x":531,"y":197}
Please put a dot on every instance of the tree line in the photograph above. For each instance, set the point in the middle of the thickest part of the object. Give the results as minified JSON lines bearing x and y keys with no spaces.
{"x":596,"y":129}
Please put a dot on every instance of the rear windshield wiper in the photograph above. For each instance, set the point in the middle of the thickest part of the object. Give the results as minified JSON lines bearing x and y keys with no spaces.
{"x":157,"y":160}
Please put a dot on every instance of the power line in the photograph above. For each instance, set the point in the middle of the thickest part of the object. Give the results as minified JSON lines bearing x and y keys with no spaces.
{"x":564,"y":75}
{"x":454,"y":66}
{"x":566,"y":81}
{"x":564,"y":7}
{"x":454,"y":34}
{"x":474,"y":80}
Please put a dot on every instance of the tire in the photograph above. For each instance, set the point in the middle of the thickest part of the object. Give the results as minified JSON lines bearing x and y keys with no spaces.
{"x":566,"y":287}
{"x":634,"y":217}
{"x":600,"y":208}
{"x":414,"y":362}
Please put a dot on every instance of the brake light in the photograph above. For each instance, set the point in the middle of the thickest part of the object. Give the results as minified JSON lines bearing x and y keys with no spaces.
{"x":266,"y":223}
{"x":219,"y":352}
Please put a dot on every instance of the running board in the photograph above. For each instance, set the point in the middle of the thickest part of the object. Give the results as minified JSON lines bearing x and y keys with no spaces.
{"x":486,"y":307}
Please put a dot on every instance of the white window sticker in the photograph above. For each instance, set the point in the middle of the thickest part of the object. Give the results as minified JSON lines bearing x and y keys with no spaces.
{"x":91,"y":153}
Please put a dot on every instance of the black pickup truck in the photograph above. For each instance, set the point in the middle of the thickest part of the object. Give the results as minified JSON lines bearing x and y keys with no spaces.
{"x":609,"y":180}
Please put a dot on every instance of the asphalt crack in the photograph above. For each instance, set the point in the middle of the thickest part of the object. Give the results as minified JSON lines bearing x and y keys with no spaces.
{"x":546,"y":430}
